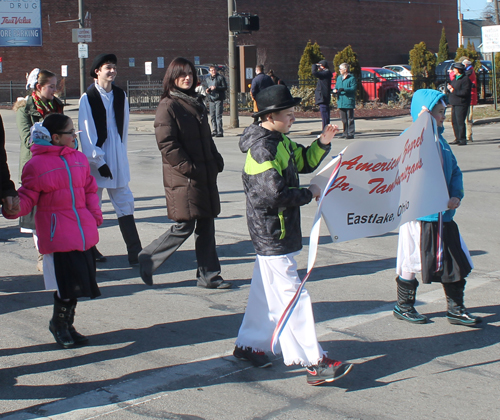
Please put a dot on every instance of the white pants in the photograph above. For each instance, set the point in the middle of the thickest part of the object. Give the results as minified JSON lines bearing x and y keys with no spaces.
{"x":274,"y":282}
{"x":121,"y":198}
{"x":408,"y":260}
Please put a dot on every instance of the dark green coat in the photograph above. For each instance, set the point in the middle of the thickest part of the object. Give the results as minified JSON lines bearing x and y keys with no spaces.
{"x":346,"y":98}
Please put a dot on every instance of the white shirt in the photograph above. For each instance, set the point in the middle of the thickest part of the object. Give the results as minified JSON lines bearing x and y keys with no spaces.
{"x":113,"y":151}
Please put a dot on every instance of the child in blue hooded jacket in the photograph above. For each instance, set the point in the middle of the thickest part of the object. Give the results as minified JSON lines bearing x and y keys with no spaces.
{"x":418,"y":248}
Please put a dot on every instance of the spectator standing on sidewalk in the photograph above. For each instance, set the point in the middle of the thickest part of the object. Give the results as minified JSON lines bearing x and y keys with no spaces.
{"x":345,"y":89}
{"x":459,"y":98}
{"x":274,"y":196}
{"x":469,"y":71}
{"x":215,"y":87}
{"x":323,"y":93}
{"x":103,"y":119}
{"x":259,"y":82}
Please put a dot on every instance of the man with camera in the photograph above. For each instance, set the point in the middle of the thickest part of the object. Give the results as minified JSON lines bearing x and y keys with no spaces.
{"x":215,"y":87}
{"x":323,"y":92}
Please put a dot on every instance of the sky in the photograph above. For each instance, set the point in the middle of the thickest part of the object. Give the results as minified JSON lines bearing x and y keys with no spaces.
{"x":472,"y":9}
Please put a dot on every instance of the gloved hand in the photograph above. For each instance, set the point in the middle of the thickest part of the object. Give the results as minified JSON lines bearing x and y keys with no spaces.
{"x":105,"y":172}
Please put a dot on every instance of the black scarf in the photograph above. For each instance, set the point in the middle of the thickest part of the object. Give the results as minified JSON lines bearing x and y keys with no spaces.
{"x":99,"y":112}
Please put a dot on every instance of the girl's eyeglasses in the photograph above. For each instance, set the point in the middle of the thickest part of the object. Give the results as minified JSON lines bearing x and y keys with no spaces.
{"x":72,"y":132}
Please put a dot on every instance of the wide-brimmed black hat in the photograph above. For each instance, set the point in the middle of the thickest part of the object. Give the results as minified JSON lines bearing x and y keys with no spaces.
{"x":274,"y":98}
{"x":99,"y":61}
{"x":459,"y":66}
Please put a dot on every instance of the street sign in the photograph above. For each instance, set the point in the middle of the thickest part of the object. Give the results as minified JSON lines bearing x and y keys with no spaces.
{"x":83,"y":51}
{"x":64,"y":71}
{"x":148,"y":67}
{"x":81,"y":35}
{"x":491,"y":38}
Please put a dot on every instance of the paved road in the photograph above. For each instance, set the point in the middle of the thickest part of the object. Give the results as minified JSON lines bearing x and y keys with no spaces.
{"x":165,"y":352}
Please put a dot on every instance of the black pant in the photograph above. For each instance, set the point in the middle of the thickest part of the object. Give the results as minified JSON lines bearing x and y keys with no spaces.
{"x":325,"y":114}
{"x":347,"y":117}
{"x":459,"y":114}
{"x":162,"y":248}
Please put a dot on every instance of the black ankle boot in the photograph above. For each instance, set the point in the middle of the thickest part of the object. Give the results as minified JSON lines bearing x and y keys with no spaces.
{"x":58,"y":325}
{"x":407,"y":290}
{"x":131,"y":238}
{"x":77,"y":337}
{"x":457,"y":313}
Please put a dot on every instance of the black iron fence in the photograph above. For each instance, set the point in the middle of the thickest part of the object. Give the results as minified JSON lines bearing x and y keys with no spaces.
{"x":10,"y":91}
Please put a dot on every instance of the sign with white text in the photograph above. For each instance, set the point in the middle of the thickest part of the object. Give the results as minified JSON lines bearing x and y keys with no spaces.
{"x":383,"y":184}
{"x":20,"y":23}
{"x":491,"y":38}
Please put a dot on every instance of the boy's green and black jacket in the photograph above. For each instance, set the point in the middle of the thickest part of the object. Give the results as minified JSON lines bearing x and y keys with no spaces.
{"x":271,"y":184}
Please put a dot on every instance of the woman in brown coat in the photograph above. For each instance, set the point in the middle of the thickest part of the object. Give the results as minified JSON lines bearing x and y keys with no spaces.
{"x":191,"y":163}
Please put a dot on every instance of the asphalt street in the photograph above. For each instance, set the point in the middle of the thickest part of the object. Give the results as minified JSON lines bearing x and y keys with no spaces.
{"x":165,"y":352}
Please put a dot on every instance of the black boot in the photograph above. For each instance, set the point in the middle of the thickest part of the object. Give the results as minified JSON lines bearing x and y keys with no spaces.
{"x":131,"y":238}
{"x":457,"y":313}
{"x":58,"y":325}
{"x":407,"y":290}
{"x":98,"y":256}
{"x":77,"y":337}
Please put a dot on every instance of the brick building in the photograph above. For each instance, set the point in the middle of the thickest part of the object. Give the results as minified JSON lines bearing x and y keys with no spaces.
{"x":380,"y":32}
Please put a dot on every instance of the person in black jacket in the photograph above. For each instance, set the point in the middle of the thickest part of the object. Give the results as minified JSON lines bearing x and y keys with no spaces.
{"x":323,"y":91}
{"x":259,"y":82}
{"x":8,"y":192}
{"x":215,"y":87}
{"x":459,"y":98}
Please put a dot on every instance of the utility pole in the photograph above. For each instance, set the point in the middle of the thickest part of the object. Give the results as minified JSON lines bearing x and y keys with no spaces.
{"x":460,"y":18}
{"x":233,"y":83}
{"x":81,"y":24}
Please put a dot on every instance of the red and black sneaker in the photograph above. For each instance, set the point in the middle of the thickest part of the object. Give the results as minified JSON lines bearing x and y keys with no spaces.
{"x":258,"y":359}
{"x":328,"y":370}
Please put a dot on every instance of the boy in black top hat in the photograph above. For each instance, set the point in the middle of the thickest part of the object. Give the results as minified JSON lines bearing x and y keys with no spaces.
{"x":274,"y":197}
{"x":103,"y":120}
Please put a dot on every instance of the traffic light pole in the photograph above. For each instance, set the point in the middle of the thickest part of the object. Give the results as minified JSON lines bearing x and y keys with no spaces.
{"x":233,"y":78}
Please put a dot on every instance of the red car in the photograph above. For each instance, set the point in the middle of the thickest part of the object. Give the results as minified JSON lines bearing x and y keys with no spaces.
{"x":380,"y":84}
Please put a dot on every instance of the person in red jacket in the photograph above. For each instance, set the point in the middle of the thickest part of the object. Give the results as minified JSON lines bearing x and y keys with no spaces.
{"x":57,"y":180}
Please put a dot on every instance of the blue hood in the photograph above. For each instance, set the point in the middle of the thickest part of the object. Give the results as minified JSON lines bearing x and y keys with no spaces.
{"x":425,"y":97}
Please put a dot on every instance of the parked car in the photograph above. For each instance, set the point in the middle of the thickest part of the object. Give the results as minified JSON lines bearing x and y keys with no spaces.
{"x":442,"y":77}
{"x":401,"y":69}
{"x":378,"y":84}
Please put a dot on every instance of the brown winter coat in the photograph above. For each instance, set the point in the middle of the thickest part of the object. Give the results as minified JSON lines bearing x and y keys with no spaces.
{"x":190,"y":159}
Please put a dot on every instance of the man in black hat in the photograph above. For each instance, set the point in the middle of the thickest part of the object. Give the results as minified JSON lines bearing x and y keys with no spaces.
{"x":103,"y":119}
{"x":323,"y":92}
{"x":460,"y":94}
{"x":274,"y":196}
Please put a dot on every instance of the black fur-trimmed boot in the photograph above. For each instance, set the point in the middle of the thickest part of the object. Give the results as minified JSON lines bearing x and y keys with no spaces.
{"x":58,"y":325}
{"x":77,"y":337}
{"x":407,"y":290}
{"x":457,"y":313}
{"x":131,"y":238}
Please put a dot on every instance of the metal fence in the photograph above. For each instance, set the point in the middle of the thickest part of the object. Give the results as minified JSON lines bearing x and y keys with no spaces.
{"x":10,"y":91}
{"x":144,"y":96}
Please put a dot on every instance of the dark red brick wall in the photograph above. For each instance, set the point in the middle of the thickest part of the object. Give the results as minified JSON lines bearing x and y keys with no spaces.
{"x":380,"y":32}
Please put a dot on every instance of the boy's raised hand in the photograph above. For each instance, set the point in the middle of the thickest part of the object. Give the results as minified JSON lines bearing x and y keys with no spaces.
{"x":328,"y":133}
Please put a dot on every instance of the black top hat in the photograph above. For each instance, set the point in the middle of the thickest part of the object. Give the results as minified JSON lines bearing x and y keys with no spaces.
{"x":99,"y":61}
{"x":459,"y":66}
{"x":274,"y":98}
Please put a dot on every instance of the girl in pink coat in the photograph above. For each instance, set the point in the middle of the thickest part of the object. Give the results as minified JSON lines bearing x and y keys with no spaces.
{"x":57,"y":180}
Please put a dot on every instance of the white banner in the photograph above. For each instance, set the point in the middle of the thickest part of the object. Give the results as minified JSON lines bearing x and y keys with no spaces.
{"x":383,"y":184}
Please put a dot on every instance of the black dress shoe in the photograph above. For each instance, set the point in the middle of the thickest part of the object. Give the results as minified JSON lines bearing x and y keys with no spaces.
{"x":214,"y":133}
{"x":454,"y":142}
{"x":98,"y":256}
{"x":349,"y":137}
{"x":462,"y":144}
{"x":220,"y":135}
{"x":342,"y":136}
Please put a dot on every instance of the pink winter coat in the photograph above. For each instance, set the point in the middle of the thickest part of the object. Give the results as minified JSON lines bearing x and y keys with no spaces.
{"x":57,"y":180}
